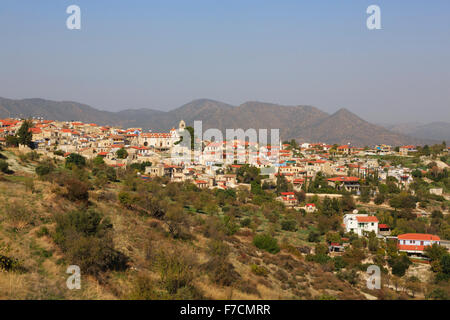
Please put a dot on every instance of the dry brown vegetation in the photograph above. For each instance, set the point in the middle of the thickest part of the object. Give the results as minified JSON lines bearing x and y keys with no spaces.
{"x":176,"y":243}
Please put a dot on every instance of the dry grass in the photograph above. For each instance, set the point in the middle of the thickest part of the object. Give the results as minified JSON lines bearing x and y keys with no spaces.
{"x":141,"y":238}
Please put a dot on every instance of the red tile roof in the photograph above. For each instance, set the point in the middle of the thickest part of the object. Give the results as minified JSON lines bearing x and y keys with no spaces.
{"x":35,"y":130}
{"x":117,"y":165}
{"x":366,"y":219}
{"x":344,"y":179}
{"x":418,"y":236}
{"x":407,"y":247}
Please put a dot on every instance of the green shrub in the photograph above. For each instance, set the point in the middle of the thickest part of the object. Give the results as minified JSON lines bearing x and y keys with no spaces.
{"x":122,"y":153}
{"x":351,"y":276}
{"x":98,"y":161}
{"x":85,"y":238}
{"x":289,"y":225}
{"x":4,"y":167}
{"x":175,"y":270}
{"x":339,"y":263}
{"x":58,"y":153}
{"x":246,"y":222}
{"x":76,"y":190}
{"x":125,"y":199}
{"x":230,"y":226}
{"x":143,"y":289}
{"x":266,"y":242}
{"x":140,"y":166}
{"x":75,"y":159}
{"x":44,"y":169}
{"x":259,"y":270}
{"x":313,"y":236}
{"x":8,"y":264}
{"x":399,"y":264}
{"x":221,"y":271}
{"x":43,"y":231}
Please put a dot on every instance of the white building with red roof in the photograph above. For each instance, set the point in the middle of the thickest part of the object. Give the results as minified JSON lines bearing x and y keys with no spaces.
{"x":289,"y":199}
{"x":403,"y":150}
{"x":415,"y":243}
{"x":360,"y":223}
{"x":310,"y":207}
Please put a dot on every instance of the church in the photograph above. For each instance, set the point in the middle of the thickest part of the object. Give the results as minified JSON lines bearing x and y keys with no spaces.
{"x":161,"y":141}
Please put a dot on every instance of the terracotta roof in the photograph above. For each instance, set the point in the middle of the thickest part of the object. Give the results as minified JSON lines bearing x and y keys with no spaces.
{"x":418,"y":236}
{"x":344,"y":179}
{"x":366,"y":219}
{"x":156,"y":135}
{"x":407,"y":247}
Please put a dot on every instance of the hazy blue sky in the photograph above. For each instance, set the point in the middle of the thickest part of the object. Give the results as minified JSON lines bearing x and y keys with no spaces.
{"x":161,"y":54}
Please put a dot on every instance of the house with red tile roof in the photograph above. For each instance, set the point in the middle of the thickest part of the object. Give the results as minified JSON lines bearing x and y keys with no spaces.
{"x":360,"y":224}
{"x":289,"y":199}
{"x":384,"y":229}
{"x":348,"y":183}
{"x":403,"y":150}
{"x":415,"y":243}
{"x":310,"y":207}
{"x":345,"y":149}
{"x":202,"y":184}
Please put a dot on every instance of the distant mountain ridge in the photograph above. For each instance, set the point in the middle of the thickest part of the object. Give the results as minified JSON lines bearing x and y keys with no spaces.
{"x":438,"y":130}
{"x":305,"y":123}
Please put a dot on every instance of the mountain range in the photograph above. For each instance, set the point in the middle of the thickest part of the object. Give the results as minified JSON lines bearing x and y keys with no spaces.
{"x":304,"y":123}
{"x":438,"y":130}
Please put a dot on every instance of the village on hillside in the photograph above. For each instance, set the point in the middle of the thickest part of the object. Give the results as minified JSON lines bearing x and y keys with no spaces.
{"x":312,"y":178}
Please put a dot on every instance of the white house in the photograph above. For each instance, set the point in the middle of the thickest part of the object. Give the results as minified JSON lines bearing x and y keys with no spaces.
{"x":360,"y":223}
{"x":310,"y":207}
{"x":416,"y":242}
